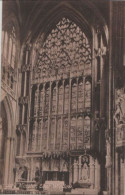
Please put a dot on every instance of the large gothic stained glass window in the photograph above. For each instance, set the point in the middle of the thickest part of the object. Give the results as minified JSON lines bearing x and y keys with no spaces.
{"x":63,"y":66}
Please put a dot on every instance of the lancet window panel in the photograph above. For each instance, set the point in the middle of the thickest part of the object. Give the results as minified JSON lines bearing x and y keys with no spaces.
{"x":18,"y":142}
{"x":66,"y":98}
{"x":66,"y":49}
{"x":87,"y":94}
{"x":44,"y":133}
{"x":38,"y":136}
{"x":58,"y":134}
{"x":87,"y":127}
{"x":34,"y":136}
{"x":80,"y":125}
{"x":65,"y":134}
{"x":74,"y":97}
{"x":41,"y":99}
{"x":73,"y":134}
{"x":80,"y":95}
{"x":9,"y":45}
{"x":47,"y":95}
{"x":54,"y":91}
{"x":36,"y":102}
{"x":52,"y":134}
{"x":60,"y":98}
{"x":23,"y":145}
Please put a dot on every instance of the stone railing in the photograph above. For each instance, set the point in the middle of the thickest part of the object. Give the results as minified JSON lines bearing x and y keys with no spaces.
{"x":120,"y":135}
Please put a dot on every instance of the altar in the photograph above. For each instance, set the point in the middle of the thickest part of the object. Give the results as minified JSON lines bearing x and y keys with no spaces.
{"x":53,"y":186}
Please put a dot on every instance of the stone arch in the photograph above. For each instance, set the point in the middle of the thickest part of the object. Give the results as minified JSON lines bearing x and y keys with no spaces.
{"x":10,"y":115}
{"x":7,"y":127}
{"x":67,"y":9}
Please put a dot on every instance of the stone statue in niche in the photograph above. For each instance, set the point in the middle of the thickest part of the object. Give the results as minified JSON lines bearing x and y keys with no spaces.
{"x":22,"y":173}
{"x":85,"y":172}
{"x":64,"y":165}
{"x":45,"y":165}
{"x":108,"y":147}
{"x":85,"y":169}
{"x":119,"y":115}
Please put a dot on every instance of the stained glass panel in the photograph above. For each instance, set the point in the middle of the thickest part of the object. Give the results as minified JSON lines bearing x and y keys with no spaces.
{"x":87,"y":131}
{"x":65,"y":134}
{"x":58,"y":134}
{"x":66,"y":49}
{"x":73,"y":134}
{"x":79,"y":133}
{"x":74,"y":97}
{"x":44,"y":133}
{"x":52,"y":134}
{"x":60,"y":99}
{"x":66,"y":99}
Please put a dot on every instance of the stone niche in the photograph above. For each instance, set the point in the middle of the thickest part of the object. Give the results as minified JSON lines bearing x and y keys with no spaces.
{"x":86,"y":174}
{"x":119,"y":116}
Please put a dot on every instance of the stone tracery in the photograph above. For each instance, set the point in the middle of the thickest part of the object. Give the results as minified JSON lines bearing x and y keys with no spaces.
{"x":66,"y":53}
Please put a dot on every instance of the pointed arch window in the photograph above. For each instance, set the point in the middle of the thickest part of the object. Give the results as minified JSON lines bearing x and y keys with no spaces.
{"x":63,"y":65}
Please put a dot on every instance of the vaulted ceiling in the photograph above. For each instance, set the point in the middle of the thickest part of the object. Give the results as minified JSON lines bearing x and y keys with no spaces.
{"x":32,"y":17}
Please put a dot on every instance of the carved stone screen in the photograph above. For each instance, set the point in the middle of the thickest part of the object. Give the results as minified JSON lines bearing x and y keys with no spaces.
{"x":62,"y":90}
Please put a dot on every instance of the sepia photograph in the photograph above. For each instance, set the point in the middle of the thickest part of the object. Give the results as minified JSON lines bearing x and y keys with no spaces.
{"x":62,"y":97}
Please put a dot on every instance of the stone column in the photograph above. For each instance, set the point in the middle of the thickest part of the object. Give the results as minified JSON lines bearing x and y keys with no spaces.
{"x":62,"y":115}
{"x":116,"y":174}
{"x":35,"y":135}
{"x":122,"y":174}
{"x":43,"y":103}
{"x":75,"y":175}
{"x":77,"y":94}
{"x":80,"y":167}
{"x":11,"y":161}
{"x":49,"y":113}
{"x":70,"y":87}
{"x":70,"y":170}
{"x":7,"y":156}
{"x":56,"y":114}
{"x":1,"y":136}
{"x":31,"y":175}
